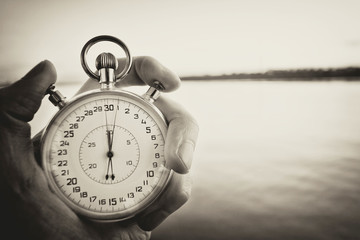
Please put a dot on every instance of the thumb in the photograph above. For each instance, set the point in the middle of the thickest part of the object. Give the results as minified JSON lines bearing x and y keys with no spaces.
{"x":22,"y":99}
{"x":18,"y":104}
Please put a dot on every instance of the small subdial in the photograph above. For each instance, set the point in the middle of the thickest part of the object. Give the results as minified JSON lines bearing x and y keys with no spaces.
{"x":109,"y":154}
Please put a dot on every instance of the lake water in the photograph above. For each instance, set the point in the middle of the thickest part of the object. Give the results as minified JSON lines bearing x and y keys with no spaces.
{"x":274,"y":160}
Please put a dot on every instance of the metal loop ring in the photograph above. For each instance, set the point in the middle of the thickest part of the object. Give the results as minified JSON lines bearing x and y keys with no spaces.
{"x":108,"y":38}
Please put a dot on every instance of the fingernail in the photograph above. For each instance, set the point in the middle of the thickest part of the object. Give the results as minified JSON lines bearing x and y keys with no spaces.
{"x":186,"y":152}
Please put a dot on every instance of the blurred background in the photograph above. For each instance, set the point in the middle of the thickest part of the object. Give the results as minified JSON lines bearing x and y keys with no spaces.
{"x":273,"y":84}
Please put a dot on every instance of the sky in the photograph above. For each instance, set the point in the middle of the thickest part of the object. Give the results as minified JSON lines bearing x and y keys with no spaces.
{"x":190,"y":37}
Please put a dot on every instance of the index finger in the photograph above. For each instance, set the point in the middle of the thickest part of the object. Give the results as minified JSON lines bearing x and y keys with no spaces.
{"x":181,"y":137}
{"x":145,"y":70}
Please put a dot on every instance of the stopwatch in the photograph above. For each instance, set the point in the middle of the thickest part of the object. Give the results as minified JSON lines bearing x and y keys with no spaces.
{"x":103,"y":151}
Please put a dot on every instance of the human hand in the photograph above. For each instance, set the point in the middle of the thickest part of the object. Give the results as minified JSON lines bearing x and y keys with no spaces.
{"x":33,"y":210}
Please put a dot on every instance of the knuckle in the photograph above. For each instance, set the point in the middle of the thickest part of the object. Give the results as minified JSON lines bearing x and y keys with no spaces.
{"x":189,"y":125}
{"x":194,"y":124}
{"x":19,"y":106}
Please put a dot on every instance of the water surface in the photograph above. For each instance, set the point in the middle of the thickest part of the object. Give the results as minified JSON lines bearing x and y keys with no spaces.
{"x":274,"y":160}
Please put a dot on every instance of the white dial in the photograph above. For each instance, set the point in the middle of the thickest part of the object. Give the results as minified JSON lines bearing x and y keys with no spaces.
{"x":104,"y":154}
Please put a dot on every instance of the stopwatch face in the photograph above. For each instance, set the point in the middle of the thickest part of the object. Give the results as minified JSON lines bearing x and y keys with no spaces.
{"x":103,"y":154}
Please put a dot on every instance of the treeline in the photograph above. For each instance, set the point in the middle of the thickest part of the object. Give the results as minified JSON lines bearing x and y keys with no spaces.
{"x":349,"y":73}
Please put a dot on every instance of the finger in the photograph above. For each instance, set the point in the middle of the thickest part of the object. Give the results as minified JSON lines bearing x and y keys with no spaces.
{"x":22,"y":99}
{"x":18,"y":104}
{"x":181,"y":136}
{"x":148,"y":70}
{"x":145,"y":70}
{"x":175,"y":195}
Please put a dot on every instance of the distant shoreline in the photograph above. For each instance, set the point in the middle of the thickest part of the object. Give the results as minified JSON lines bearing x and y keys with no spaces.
{"x":294,"y":79}
{"x":346,"y":74}
{"x":331,"y":74}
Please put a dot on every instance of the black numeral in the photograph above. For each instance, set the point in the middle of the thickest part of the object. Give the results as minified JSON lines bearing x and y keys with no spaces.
{"x":80,"y":118}
{"x":62,"y":163}
{"x":150,"y":173}
{"x":109,"y":107}
{"x":73,"y":126}
{"x":62,"y":152}
{"x":88,"y":112}
{"x":112,"y":201}
{"x":71,"y":181}
{"x":69,"y":134}
{"x":84,"y":195}
{"x":92,"y":165}
{"x":97,"y":109}
{"x":64,"y":143}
